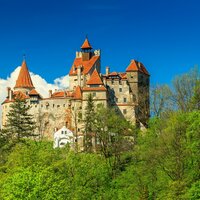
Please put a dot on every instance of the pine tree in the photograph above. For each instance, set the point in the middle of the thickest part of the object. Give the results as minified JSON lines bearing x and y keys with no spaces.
{"x":89,"y":123}
{"x":20,"y":123}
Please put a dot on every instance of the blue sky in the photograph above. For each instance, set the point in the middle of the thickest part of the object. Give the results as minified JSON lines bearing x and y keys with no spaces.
{"x":163,"y":34}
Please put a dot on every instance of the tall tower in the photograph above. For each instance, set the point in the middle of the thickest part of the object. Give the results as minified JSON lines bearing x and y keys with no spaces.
{"x":138,"y":79}
{"x":86,"y":50}
{"x":84,"y":64}
{"x":24,"y":82}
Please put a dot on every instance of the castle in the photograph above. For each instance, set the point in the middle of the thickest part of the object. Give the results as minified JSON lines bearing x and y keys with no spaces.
{"x":127,"y":92}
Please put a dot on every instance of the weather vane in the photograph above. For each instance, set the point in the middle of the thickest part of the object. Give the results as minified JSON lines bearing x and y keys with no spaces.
{"x":24,"y":56}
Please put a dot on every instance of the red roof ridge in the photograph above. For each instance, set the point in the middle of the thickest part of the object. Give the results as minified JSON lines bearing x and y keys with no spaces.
{"x":24,"y":78}
{"x":95,"y":79}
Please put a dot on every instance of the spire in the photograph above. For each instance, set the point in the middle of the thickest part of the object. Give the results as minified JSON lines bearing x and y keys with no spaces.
{"x":24,"y":78}
{"x":95,"y":79}
{"x":86,"y":44}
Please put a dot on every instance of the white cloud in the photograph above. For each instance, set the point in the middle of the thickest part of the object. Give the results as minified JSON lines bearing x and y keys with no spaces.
{"x":40,"y":84}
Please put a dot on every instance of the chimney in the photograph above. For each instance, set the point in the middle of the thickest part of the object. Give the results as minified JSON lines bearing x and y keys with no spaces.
{"x":11,"y":95}
{"x":139,"y":65}
{"x":79,"y":75}
{"x":107,"y":70}
{"x":50,"y":93}
{"x":8,"y":92}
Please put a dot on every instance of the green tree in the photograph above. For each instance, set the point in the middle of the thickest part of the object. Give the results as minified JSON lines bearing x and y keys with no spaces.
{"x":89,"y":123}
{"x":114,"y":134}
{"x":20,"y":124}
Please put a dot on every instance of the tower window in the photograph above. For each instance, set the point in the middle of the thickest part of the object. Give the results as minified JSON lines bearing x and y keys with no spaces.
{"x":124,"y":100}
{"x":120,"y":89}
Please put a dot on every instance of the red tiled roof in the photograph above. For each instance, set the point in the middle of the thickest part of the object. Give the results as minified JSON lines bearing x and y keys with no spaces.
{"x":95,"y":79}
{"x":7,"y":101}
{"x":59,"y":94}
{"x":17,"y":94}
{"x":24,"y":78}
{"x":33,"y":92}
{"x":136,"y":66}
{"x":86,"y":65}
{"x":123,"y":76}
{"x":113,"y":74}
{"x":86,"y":45}
{"x":102,"y":88}
{"x":77,"y":93}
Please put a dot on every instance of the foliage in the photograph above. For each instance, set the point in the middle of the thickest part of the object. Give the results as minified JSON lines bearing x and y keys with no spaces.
{"x":89,"y":121}
{"x":161,"y":163}
{"x":20,"y":123}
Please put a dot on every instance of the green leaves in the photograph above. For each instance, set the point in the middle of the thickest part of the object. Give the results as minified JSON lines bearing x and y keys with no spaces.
{"x":20,"y":123}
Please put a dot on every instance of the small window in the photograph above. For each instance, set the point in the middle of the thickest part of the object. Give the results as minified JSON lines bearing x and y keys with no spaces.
{"x":124,"y":100}
{"x":124,"y":111}
{"x":78,"y":129}
{"x":62,"y":132}
{"x":120,"y":89}
{"x":116,"y":100}
{"x":58,"y":106}
{"x":41,"y":106}
{"x":63,"y":105}
{"x":112,"y":81}
{"x":53,"y":105}
{"x":94,"y":94}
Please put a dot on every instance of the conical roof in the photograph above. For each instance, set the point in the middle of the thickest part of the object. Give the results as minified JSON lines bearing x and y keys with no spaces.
{"x":24,"y":78}
{"x":95,"y":79}
{"x":86,"y":45}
